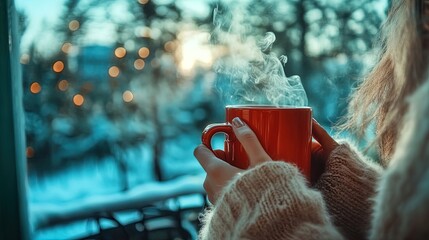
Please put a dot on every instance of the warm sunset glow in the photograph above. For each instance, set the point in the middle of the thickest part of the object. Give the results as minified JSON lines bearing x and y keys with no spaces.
{"x":143,"y":1}
{"x":74,"y":25}
{"x":58,"y":66}
{"x":139,"y":64}
{"x":35,"y":88}
{"x":25,"y":58}
{"x":63,"y":85}
{"x":144,"y":52}
{"x":120,"y":52}
{"x":127,"y":96}
{"x":78,"y":100}
{"x":66,"y":47}
{"x":194,"y":52}
{"x":29,"y":152}
{"x":114,"y":71}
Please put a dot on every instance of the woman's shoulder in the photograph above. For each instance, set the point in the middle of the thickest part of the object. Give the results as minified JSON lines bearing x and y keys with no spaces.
{"x":402,"y":196}
{"x":413,"y":143}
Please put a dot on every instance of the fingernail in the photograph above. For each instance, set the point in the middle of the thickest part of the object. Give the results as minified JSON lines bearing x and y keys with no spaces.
{"x":237,"y":122}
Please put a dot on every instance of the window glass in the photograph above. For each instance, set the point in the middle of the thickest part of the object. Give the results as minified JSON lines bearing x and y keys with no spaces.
{"x":116,"y":94}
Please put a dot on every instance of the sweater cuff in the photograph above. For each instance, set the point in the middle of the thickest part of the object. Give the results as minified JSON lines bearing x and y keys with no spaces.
{"x":270,"y":201}
{"x":348,"y":186}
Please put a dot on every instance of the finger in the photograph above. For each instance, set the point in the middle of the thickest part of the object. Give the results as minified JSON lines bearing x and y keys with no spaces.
{"x":317,"y":161}
{"x":207,"y":186}
{"x":205,"y":157}
{"x":209,"y":161}
{"x":211,"y":199}
{"x":212,"y":190}
{"x":250,"y":142}
{"x":209,"y":190}
{"x":316,"y":150}
{"x":323,"y":137}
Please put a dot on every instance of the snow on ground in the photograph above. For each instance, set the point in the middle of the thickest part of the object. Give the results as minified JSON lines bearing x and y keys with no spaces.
{"x":96,"y":186}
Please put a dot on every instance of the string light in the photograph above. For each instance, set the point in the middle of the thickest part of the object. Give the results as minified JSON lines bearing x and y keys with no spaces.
{"x":30,"y":152}
{"x":120,"y":52}
{"x":127,"y":96}
{"x":114,"y":71}
{"x":66,"y":47}
{"x":78,"y":100}
{"x":63,"y":85}
{"x":87,"y":87}
{"x":58,"y":66}
{"x":143,"y":1}
{"x":144,"y":52}
{"x":74,"y":25}
{"x":35,"y":88}
{"x":139,"y":64}
{"x":170,"y":46}
{"x":146,"y":32}
{"x":25,"y":58}
{"x":154,"y":63}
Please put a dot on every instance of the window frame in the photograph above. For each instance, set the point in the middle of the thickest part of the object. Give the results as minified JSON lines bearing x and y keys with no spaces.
{"x":14,"y":222}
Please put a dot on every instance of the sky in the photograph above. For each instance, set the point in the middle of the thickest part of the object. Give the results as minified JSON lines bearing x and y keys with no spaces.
{"x":42,"y":13}
{"x":38,"y":12}
{"x":40,"y":9}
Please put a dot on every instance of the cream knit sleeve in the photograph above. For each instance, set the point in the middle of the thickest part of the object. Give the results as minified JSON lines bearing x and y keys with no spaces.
{"x":270,"y":201}
{"x":348,"y":186}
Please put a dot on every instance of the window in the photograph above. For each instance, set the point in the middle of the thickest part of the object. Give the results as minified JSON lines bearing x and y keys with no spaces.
{"x":116,"y":94}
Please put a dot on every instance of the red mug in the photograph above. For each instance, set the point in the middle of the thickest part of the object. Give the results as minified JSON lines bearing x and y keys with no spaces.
{"x":284,"y":132}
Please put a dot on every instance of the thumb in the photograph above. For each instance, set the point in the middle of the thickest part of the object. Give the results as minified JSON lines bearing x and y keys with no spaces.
{"x":206,"y":158}
{"x":250,"y":142}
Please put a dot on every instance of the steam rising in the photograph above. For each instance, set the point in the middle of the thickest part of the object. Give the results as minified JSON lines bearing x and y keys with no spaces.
{"x":249,"y":72}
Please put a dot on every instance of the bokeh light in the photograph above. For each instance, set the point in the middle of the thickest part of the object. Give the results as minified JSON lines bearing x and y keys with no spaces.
{"x":146,"y":32}
{"x":144,"y":52}
{"x":139,"y":64}
{"x":120,"y":52}
{"x":154,"y":63}
{"x":58,"y":66}
{"x":87,"y":87}
{"x":25,"y":58}
{"x":29,"y":152}
{"x":66,"y":47}
{"x":63,"y":85}
{"x":114,"y":71}
{"x":170,"y":46}
{"x":74,"y":25}
{"x":127,"y":96}
{"x":143,"y":1}
{"x":78,"y":100}
{"x":35,"y":88}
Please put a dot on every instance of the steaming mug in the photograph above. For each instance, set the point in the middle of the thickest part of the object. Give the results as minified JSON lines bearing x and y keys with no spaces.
{"x":284,"y":133}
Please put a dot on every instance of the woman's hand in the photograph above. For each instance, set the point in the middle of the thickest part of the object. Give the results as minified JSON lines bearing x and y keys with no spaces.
{"x":320,"y":150}
{"x":219,"y":172}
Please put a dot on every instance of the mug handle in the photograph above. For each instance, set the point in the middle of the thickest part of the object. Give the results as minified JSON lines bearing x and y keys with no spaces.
{"x":214,"y":128}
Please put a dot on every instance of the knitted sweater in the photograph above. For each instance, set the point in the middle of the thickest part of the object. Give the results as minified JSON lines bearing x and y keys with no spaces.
{"x":274,"y":201}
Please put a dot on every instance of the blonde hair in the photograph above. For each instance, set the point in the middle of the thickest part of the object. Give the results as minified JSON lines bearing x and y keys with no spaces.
{"x":381,"y":97}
